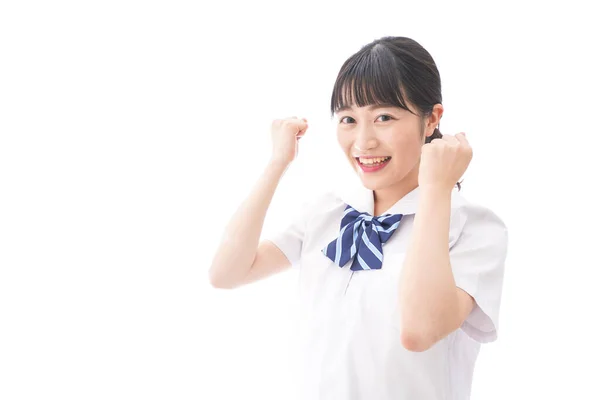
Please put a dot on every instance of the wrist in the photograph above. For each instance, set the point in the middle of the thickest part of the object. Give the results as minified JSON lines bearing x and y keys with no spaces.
{"x":436,"y":191}
{"x":275,"y":163}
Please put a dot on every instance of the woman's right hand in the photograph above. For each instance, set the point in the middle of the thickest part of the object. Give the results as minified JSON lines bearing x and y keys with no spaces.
{"x":285,"y":134}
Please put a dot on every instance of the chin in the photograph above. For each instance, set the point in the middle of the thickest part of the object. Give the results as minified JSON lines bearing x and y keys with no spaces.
{"x":373,"y":183}
{"x":383,"y":181}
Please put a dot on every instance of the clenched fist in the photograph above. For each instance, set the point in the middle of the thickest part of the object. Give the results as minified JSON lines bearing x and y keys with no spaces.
{"x":444,"y":161}
{"x":285,"y":134}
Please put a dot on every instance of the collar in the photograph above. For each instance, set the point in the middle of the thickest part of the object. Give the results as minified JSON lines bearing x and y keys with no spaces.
{"x":362,"y":200}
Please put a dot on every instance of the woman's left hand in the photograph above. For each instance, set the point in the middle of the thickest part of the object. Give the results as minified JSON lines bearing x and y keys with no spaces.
{"x":444,"y":161}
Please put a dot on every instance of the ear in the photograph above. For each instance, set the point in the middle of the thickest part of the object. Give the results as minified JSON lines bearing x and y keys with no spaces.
{"x":434,"y":119}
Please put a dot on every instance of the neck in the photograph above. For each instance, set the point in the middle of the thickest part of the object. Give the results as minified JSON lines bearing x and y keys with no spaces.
{"x":385,"y":198}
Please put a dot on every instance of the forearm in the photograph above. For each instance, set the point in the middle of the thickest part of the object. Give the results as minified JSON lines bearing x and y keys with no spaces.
{"x":237,"y":249}
{"x":427,"y":293}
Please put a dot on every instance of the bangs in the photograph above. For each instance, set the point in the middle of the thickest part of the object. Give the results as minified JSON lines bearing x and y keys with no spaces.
{"x":370,"y":77}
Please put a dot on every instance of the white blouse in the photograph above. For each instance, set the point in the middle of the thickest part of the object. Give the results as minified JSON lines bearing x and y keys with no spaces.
{"x":350,"y":326}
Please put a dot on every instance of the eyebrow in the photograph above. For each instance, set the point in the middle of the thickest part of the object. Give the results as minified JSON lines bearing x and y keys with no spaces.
{"x":370,"y":108}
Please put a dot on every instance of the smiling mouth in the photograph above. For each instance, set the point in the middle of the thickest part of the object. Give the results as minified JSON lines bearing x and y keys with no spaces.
{"x":382,"y":160}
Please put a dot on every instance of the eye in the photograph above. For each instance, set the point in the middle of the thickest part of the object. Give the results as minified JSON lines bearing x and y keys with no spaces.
{"x":385,"y":115}
{"x":342,"y":119}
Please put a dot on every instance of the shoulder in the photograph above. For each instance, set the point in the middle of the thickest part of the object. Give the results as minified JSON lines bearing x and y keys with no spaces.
{"x":475,"y":221}
{"x":322,"y":202}
{"x":323,"y":198}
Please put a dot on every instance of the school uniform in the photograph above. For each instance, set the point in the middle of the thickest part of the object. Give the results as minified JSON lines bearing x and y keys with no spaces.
{"x":349,"y":319}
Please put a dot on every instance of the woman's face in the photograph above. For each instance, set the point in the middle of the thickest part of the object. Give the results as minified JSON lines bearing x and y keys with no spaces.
{"x":383,"y":131}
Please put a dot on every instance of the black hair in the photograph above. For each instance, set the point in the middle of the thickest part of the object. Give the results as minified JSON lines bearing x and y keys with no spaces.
{"x":390,"y":70}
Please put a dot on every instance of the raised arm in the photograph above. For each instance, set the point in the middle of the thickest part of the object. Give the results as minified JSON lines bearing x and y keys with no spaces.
{"x":239,"y":259}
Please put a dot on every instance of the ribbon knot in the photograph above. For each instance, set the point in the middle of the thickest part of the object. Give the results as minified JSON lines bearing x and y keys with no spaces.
{"x":361,"y":238}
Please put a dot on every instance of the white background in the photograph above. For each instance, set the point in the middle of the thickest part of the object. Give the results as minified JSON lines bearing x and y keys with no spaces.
{"x":130,"y":131}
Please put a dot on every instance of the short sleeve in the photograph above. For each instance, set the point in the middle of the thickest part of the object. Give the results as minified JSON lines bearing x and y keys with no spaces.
{"x":477,"y":258}
{"x":289,"y":234}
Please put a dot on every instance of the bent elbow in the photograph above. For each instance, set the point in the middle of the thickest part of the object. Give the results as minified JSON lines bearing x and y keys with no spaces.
{"x":414,"y":341}
{"x":217,"y":283}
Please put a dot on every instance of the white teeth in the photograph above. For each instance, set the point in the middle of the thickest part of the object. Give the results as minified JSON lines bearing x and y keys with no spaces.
{"x":371,"y":161}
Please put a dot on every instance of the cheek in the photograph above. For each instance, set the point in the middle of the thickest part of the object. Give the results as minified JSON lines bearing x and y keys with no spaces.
{"x":343,"y":141}
{"x":407,"y":150}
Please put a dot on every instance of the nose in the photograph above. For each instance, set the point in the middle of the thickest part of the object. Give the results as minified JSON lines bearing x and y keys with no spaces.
{"x":365,"y":139}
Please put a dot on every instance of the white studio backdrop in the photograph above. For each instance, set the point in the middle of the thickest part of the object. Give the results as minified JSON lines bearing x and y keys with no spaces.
{"x":130,"y":132}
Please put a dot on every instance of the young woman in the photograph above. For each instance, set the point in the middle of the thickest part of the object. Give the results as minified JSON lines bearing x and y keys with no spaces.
{"x":400,"y":279}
